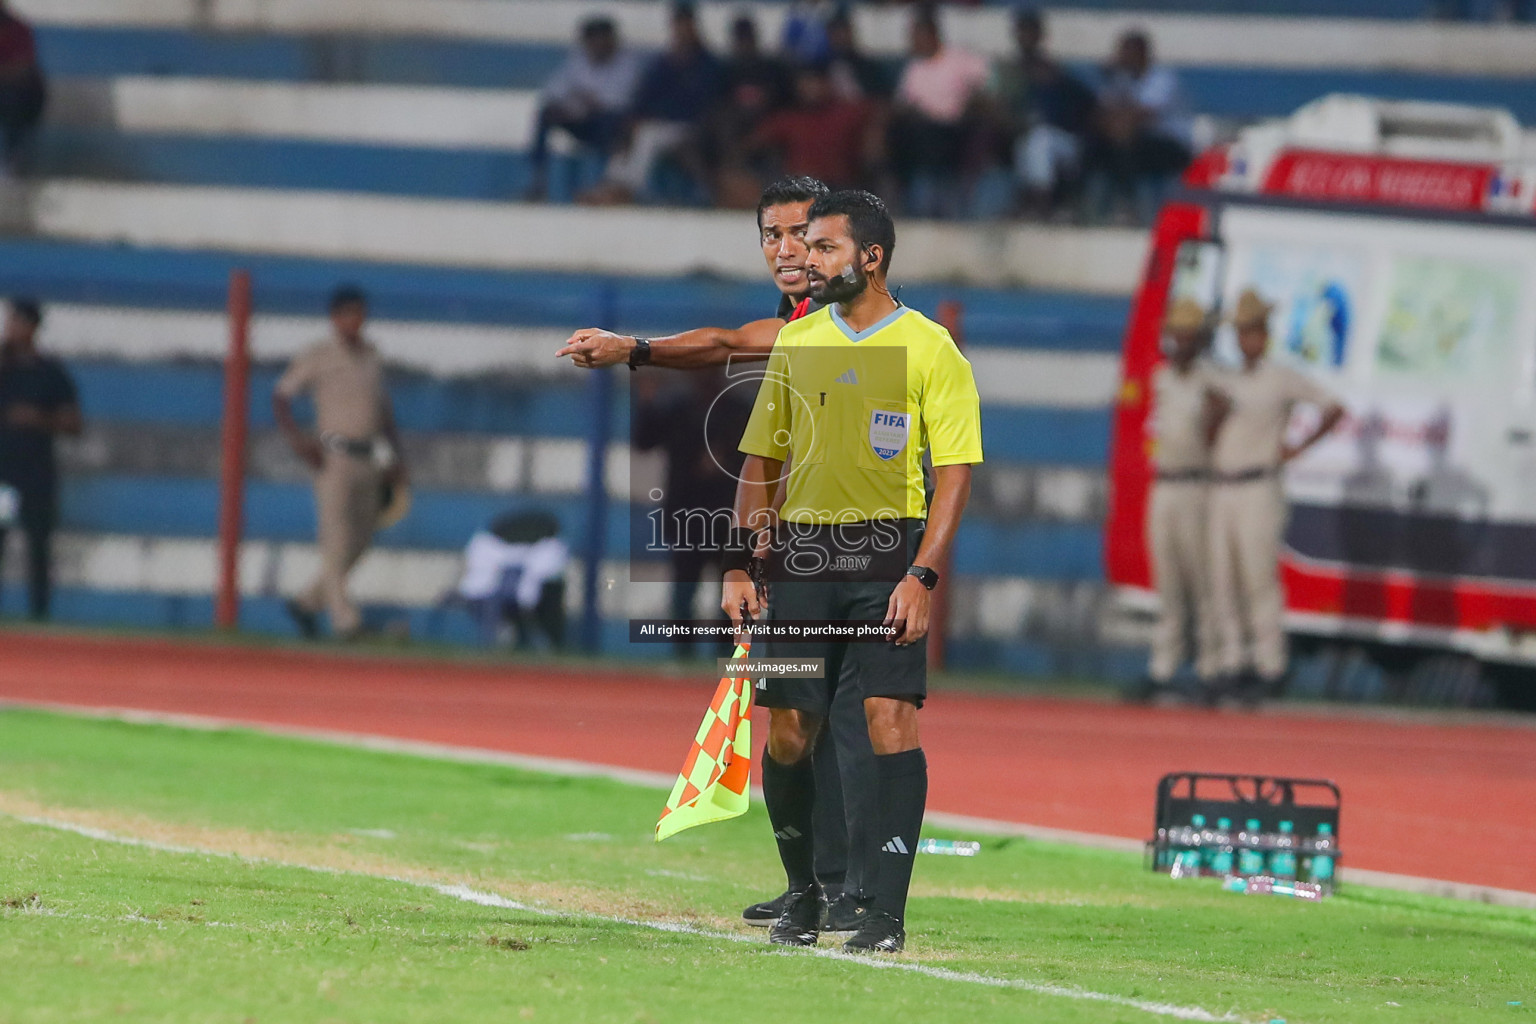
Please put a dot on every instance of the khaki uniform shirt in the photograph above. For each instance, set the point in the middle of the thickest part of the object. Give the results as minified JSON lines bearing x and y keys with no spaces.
{"x":346,"y":384}
{"x":1262,"y":399}
{"x":1178,"y":418}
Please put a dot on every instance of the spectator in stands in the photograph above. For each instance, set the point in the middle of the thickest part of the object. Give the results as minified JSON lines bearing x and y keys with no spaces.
{"x":854,"y":75}
{"x":589,"y":97}
{"x":756,"y":86}
{"x":824,"y":136}
{"x":354,"y":453}
{"x":1045,"y":110}
{"x":697,"y":426}
{"x":37,"y":404}
{"x":931,"y":126}
{"x":804,"y":39}
{"x":674,"y":98}
{"x":1143,"y":132}
{"x":22,"y":90}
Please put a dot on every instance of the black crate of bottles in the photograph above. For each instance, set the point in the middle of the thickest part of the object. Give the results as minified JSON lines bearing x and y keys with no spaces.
{"x":1262,"y":827}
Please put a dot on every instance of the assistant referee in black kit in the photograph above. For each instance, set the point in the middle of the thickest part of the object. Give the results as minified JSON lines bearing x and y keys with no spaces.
{"x":854,"y":394}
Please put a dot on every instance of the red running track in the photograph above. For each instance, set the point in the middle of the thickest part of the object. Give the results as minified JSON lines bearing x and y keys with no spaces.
{"x":1448,"y":801}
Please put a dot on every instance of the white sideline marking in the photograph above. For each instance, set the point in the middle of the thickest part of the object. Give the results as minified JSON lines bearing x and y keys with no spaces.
{"x":1488,"y":894}
{"x":482,"y":898}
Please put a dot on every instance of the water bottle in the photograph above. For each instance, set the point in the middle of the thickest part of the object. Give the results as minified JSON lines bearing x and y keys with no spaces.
{"x":1282,"y":862}
{"x":1268,"y":885}
{"x":1186,"y":863}
{"x":949,"y":847}
{"x":1250,"y":859}
{"x":1321,"y":869}
{"x":1219,"y":858}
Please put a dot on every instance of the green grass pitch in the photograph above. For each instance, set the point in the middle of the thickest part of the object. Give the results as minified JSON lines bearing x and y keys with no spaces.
{"x":279,"y":880}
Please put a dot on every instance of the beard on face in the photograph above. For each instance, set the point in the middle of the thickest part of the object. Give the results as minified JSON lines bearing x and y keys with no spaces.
{"x":848,"y":285}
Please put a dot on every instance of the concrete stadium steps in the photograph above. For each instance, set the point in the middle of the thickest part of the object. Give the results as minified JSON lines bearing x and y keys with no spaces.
{"x":454,"y":233}
{"x":65,"y":151}
{"x":452,"y":112}
{"x":192,"y":395}
{"x":480,"y":374}
{"x":1307,"y":34}
{"x":528,"y":465}
{"x":1054,"y":613}
{"x":187,"y":507}
{"x":109,"y":52}
{"x":380,"y":114}
{"x":168,"y":280}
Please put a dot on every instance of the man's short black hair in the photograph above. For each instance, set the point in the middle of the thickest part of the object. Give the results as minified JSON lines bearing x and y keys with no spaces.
{"x":869,"y":222}
{"x":684,"y":10}
{"x":28,"y":309}
{"x":598,"y":25}
{"x":348,"y":295}
{"x":1030,"y":16}
{"x":798,"y":189}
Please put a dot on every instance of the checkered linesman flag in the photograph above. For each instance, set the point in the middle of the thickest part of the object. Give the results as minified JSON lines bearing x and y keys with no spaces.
{"x":713,"y":783}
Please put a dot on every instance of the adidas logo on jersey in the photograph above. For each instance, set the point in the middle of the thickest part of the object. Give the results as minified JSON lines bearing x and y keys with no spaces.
{"x":895,"y":846}
{"x":848,"y":377}
{"x":787,"y":832}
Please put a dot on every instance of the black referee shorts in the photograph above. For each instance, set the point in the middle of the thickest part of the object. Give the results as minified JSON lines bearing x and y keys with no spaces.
{"x":870,"y":668}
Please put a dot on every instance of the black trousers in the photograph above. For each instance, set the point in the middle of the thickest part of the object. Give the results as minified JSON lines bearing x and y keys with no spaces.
{"x":39,"y":535}
{"x":846,"y":797}
{"x":21,"y":108}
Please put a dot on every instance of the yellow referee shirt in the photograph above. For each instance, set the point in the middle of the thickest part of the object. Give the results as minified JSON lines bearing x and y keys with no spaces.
{"x":857,"y":409}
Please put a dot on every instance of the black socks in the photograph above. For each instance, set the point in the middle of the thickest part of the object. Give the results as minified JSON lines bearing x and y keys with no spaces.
{"x":789,"y":791}
{"x":903,"y":795}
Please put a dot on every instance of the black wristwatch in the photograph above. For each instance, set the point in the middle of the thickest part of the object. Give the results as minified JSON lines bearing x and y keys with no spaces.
{"x":924,"y":575}
{"x":640,"y":355}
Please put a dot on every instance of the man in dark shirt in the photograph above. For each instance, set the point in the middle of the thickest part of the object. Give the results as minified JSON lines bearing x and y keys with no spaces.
{"x":37,"y":403}
{"x":824,"y":136}
{"x":854,"y":75}
{"x":21,"y":87}
{"x":757,"y":86}
{"x":692,"y":425}
{"x":1046,"y":110}
{"x":675,"y":96}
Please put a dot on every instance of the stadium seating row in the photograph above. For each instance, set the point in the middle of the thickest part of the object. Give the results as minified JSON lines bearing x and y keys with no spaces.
{"x":1249,"y":33}
{"x":511,"y":73}
{"x":291,"y":285}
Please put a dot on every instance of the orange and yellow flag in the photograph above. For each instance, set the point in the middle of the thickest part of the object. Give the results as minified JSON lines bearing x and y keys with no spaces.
{"x":713,"y":783}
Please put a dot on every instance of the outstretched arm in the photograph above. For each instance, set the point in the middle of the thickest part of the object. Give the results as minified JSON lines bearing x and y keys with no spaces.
{"x":591,"y":348}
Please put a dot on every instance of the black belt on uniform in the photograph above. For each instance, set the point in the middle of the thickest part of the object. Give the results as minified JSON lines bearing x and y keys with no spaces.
{"x":358,"y":448}
{"x":1245,"y":476}
{"x":1183,"y":476}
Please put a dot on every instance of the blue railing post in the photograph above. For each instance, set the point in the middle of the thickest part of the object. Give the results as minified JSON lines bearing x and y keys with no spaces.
{"x":599,"y":433}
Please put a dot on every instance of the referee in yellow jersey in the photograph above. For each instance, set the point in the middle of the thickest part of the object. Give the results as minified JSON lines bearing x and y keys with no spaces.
{"x":853,"y":395}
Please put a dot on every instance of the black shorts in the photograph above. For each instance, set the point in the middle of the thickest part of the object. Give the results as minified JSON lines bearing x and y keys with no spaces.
{"x":871,"y":668}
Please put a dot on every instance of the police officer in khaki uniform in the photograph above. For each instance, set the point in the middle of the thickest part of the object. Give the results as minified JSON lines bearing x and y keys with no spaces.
{"x":1247,"y":510}
{"x":1183,"y":417}
{"x":354,"y":452}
